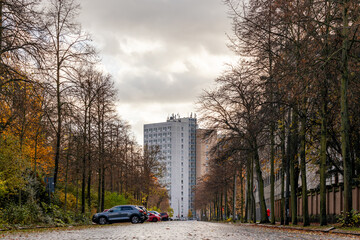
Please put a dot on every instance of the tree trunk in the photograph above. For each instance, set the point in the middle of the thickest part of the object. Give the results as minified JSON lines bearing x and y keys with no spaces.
{"x":248,"y":191}
{"x":99,"y":190}
{"x":83,"y":186}
{"x":345,"y":146}
{"x":89,"y":159}
{"x":103,"y":188}
{"x":305,"y":211}
{"x":323,"y":116}
{"x":263,"y":215}
{"x":288,"y":160}
{"x":323,"y":147}
{"x":59,"y":104}
{"x":242,"y":196}
{"x":272,"y":175}
{"x":283,"y":167}
{"x":252,"y":200}
{"x":293,"y":158}
{"x":67,"y":170}
{"x":234,"y":198}
{"x":1,"y":29}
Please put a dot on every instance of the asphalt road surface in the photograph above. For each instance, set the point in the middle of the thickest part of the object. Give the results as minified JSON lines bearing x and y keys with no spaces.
{"x":175,"y":230}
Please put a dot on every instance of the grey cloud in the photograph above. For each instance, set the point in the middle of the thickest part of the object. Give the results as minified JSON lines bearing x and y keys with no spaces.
{"x":184,"y":22}
{"x":183,"y":28}
{"x":157,"y":87}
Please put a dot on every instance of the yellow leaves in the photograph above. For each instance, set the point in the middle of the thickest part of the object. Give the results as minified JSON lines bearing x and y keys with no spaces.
{"x":3,"y":188}
{"x":144,"y":198}
{"x":281,"y":124}
{"x":70,"y":199}
{"x":21,"y":112}
{"x":12,"y":164}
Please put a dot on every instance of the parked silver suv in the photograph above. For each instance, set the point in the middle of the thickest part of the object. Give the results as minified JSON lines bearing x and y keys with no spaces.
{"x":121,"y":213}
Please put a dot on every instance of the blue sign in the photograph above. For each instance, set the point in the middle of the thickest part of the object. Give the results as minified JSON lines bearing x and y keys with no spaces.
{"x":49,"y":184}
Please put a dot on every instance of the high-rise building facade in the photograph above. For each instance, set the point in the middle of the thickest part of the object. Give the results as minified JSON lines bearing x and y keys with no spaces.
{"x":205,"y":141}
{"x":176,"y":139}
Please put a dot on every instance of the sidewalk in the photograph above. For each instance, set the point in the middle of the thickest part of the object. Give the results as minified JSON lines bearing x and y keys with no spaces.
{"x":312,"y":228}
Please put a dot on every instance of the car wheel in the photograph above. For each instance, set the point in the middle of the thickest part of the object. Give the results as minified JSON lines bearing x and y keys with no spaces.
{"x":135,"y":219}
{"x":155,"y":220}
{"x":102,"y":221}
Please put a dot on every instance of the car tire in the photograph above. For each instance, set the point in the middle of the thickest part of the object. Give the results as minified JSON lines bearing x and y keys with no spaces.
{"x":155,"y":220}
{"x":135,"y":219}
{"x":102,"y":221}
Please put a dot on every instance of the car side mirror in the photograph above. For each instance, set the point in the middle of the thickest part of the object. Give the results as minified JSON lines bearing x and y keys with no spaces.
{"x":111,"y":210}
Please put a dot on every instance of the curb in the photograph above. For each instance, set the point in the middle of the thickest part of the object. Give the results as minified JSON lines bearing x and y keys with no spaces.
{"x":327,"y":230}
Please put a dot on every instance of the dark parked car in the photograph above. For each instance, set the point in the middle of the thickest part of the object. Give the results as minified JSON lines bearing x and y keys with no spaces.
{"x":121,"y":213}
{"x":145,"y":212}
{"x":164,"y":216}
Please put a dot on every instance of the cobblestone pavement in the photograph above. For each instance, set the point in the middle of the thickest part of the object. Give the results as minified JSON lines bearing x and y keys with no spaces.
{"x":174,"y":231}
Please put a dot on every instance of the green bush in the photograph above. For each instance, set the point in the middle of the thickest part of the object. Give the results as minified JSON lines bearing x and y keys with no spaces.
{"x":29,"y":213}
{"x":58,"y":215}
{"x":352,"y":221}
{"x":113,"y":199}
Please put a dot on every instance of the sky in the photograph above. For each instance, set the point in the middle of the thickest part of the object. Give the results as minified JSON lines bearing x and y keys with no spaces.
{"x":161,"y":53}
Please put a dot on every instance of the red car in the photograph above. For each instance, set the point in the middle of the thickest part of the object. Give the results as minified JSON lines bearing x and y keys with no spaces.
{"x":153,"y":217}
{"x":164,"y":216}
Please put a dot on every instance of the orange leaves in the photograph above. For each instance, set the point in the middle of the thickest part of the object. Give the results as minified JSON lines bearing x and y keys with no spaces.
{"x":21,"y":118}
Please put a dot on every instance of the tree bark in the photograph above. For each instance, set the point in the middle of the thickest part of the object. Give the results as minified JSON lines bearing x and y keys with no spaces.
{"x":263,"y":216}
{"x":345,"y":142}
{"x":293,"y":158}
{"x":283,"y":167}
{"x":305,"y":211}
{"x":272,"y":175}
{"x":234,"y":198}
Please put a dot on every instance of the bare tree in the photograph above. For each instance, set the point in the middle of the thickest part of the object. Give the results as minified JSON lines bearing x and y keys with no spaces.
{"x":67,"y":47}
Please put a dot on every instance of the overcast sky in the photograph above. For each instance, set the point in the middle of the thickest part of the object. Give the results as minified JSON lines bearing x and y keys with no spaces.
{"x":161,"y":53}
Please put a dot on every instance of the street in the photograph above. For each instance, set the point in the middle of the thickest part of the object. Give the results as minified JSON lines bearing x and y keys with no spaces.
{"x":175,"y":230}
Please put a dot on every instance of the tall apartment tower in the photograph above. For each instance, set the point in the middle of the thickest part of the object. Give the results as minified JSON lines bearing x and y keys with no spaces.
{"x":205,"y":141}
{"x":177,"y":140}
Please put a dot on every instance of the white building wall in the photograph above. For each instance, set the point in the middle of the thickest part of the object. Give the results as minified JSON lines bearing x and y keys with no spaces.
{"x":174,"y":139}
